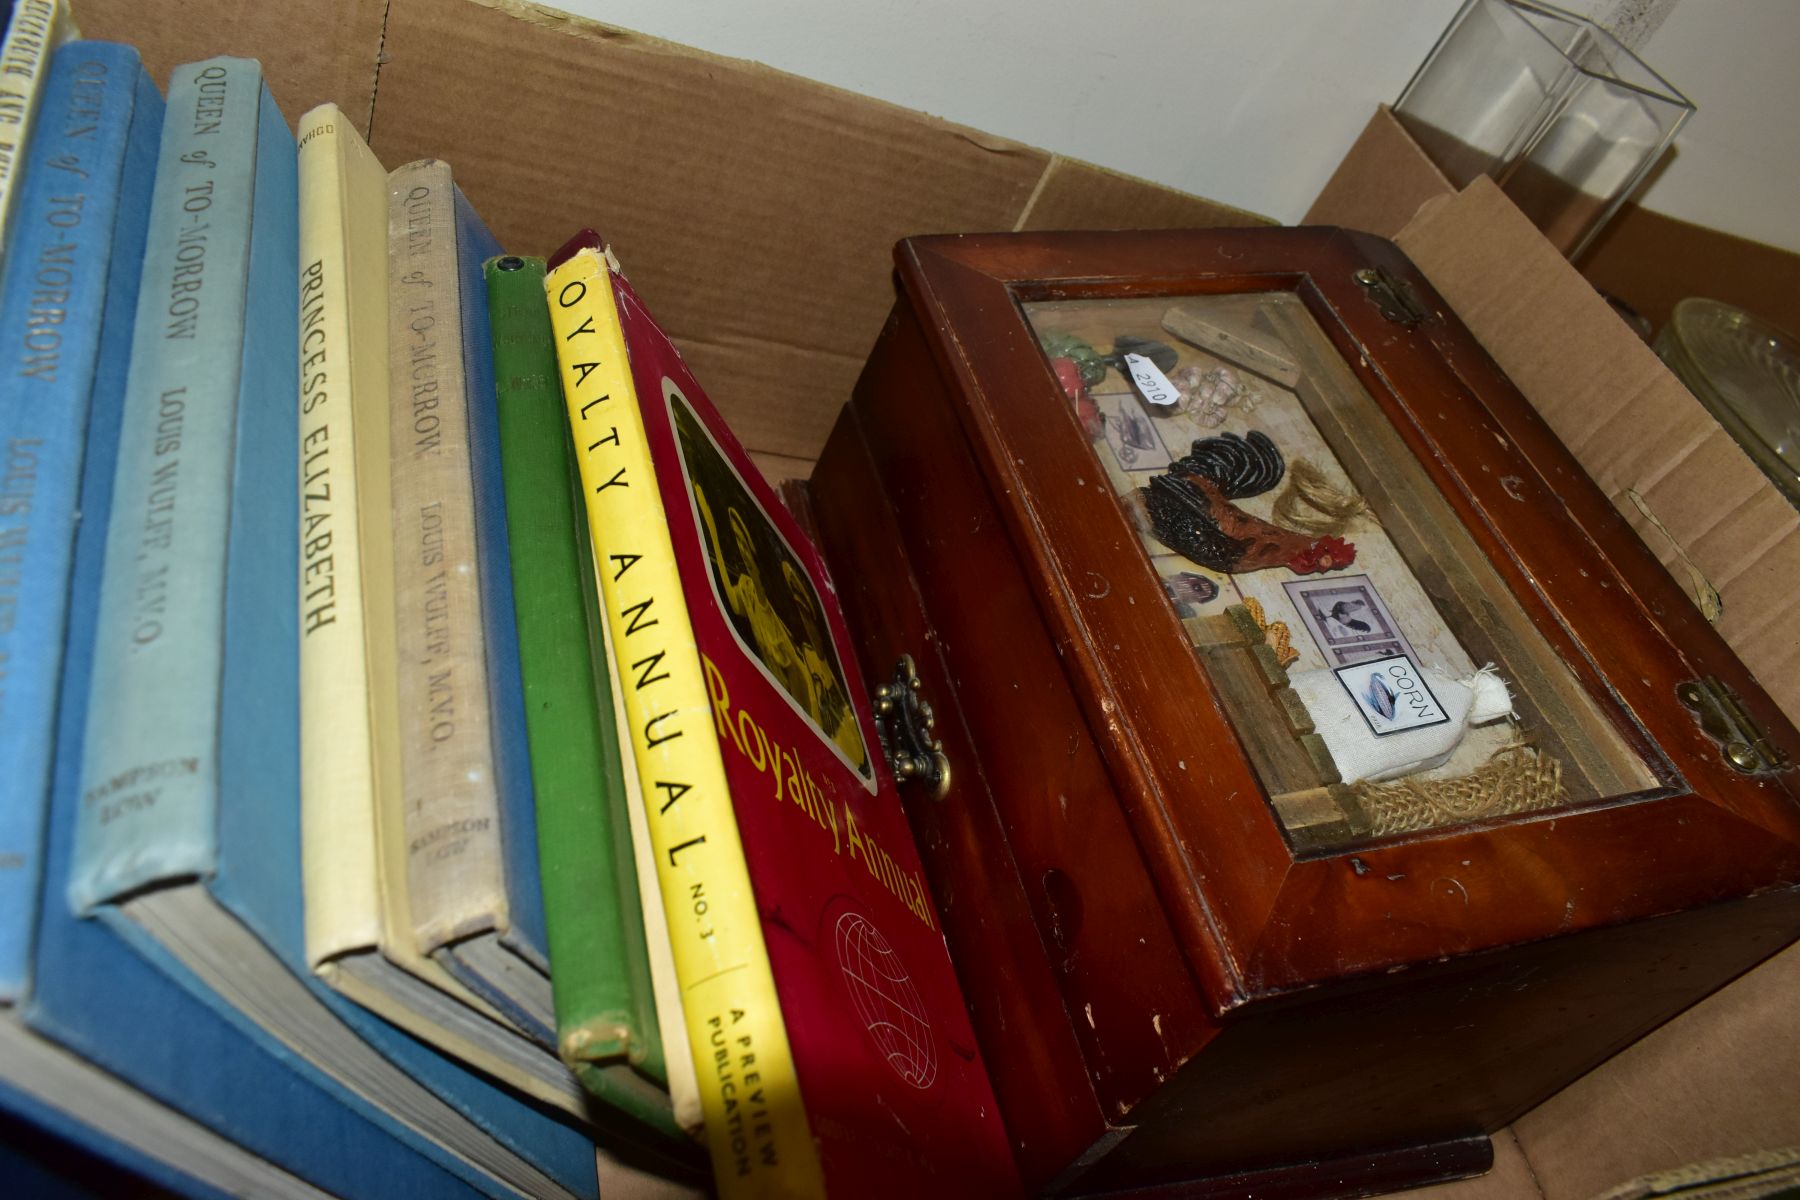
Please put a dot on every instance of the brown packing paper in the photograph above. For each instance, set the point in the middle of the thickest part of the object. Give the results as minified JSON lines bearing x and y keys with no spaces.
{"x":1665,"y":463}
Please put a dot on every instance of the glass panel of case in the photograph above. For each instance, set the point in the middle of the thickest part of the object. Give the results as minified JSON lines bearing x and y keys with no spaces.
{"x":1379,"y":673}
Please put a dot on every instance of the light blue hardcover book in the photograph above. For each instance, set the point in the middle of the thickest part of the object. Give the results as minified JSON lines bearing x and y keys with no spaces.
{"x":519,"y":988}
{"x":81,"y":241}
{"x":187,"y":839}
{"x":102,"y":1048}
{"x":73,"y":260}
{"x":150,"y":772}
{"x":247,"y":1121}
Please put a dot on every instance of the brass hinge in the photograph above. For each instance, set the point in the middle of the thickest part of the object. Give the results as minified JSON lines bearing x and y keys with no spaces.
{"x":1393,"y":296}
{"x":1723,"y":718}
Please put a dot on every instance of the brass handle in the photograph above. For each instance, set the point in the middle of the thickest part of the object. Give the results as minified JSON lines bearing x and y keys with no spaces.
{"x":907,"y":726}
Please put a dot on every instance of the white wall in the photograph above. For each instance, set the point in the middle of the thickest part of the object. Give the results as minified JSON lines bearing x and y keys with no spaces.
{"x":1737,"y":161}
{"x":1251,"y":102}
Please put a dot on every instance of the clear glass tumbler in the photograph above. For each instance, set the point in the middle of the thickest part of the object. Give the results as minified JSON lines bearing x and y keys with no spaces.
{"x":1554,"y":108}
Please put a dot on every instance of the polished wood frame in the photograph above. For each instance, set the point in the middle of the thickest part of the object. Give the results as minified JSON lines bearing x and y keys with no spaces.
{"x":1174,"y":960}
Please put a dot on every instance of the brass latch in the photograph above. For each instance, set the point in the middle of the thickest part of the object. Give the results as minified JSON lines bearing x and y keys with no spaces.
{"x":908,"y":731}
{"x":1392,"y":296}
{"x":1722,"y":717}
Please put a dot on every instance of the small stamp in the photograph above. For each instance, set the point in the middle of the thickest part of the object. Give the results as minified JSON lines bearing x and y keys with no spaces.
{"x":1392,"y":695}
{"x":1346,"y":655}
{"x":1347,"y":619}
{"x":1188,"y":591}
{"x":1132,"y":435}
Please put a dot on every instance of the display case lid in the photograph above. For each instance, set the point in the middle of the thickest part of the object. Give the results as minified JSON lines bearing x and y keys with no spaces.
{"x":1378,"y":673}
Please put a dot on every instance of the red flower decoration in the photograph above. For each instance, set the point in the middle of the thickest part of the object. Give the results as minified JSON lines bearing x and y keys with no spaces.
{"x":1068,"y":373}
{"x":1325,"y":554}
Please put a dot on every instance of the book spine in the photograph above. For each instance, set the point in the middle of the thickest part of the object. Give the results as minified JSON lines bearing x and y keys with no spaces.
{"x":601,"y":980}
{"x":728,"y":987}
{"x":340,"y":446}
{"x":353,"y":818}
{"x":671,"y":1017}
{"x":259,"y":718}
{"x":67,"y":300}
{"x":445,"y":731}
{"x":149,"y":782}
{"x":524,"y":933}
{"x":36,"y":29}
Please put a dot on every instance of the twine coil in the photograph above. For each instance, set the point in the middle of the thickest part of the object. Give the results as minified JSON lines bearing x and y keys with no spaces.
{"x":1518,"y":778}
{"x":1310,"y":504}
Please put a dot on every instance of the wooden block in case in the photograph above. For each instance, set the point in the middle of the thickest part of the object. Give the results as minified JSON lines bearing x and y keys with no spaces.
{"x":1196,"y":945}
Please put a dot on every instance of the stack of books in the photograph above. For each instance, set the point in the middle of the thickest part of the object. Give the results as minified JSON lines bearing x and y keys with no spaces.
{"x":433,"y":750}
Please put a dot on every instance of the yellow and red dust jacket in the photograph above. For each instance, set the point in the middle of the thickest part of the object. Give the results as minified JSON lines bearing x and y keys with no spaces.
{"x":890,"y":1077}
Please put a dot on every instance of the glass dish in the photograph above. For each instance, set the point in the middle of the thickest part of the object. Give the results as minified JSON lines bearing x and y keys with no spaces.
{"x":1747,"y":373}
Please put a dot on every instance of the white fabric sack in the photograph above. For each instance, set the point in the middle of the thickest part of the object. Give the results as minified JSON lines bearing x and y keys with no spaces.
{"x":1361,"y":754}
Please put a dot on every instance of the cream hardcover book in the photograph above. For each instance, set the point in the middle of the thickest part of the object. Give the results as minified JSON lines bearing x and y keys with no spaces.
{"x":359,"y":918}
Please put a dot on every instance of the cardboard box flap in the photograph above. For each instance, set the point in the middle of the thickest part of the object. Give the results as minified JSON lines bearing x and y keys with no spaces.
{"x":755,"y":210}
{"x":1381,"y":183}
{"x":1076,"y":195}
{"x":1690,"y":492}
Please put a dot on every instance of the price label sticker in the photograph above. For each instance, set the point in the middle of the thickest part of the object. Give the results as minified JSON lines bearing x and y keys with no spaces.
{"x":1150,"y":382}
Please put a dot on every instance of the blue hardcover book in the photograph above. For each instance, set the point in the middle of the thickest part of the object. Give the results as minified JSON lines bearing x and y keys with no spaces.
{"x":82,"y":239}
{"x":521,"y":990}
{"x":104,"y":1120}
{"x":95,"y":998}
{"x":73,"y":259}
{"x":102,"y":1048}
{"x":187,"y":837}
{"x":48,"y":1155}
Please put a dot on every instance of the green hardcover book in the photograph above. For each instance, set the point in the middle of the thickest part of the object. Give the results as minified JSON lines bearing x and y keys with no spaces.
{"x":600,"y":955}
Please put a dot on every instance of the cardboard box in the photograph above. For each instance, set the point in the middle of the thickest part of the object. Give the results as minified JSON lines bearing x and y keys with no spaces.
{"x":1696,"y":499}
{"x":757,"y":212}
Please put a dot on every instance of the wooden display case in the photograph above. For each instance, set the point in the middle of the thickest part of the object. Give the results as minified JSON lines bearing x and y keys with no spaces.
{"x":1203,"y":933}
